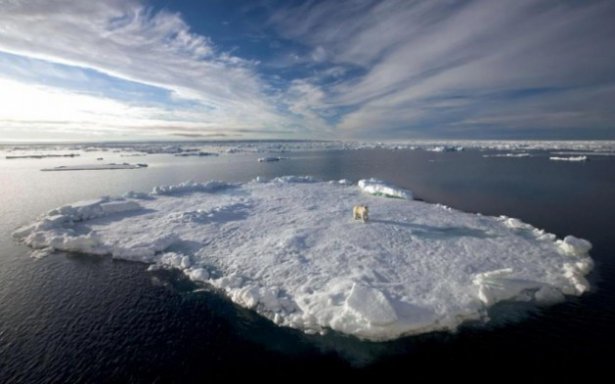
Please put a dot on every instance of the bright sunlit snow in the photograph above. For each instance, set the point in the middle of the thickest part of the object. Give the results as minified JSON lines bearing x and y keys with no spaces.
{"x":290,"y":250}
{"x":570,"y":158}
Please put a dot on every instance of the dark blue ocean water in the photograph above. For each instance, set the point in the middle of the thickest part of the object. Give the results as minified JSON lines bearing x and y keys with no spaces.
{"x":80,"y":318}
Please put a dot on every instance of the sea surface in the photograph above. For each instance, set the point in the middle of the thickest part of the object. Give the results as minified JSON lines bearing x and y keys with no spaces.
{"x":82,"y":318}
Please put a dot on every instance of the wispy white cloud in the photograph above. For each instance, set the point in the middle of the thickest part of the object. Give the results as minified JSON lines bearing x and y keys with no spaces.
{"x":51,"y":110}
{"x":129,"y":41}
{"x":392,"y":68}
{"x":418,"y":55}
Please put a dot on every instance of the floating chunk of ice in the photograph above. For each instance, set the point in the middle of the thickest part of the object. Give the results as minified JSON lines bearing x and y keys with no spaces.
{"x":196,"y":154}
{"x":444,"y":148}
{"x":295,"y":179}
{"x":379,"y":187}
{"x":95,"y":167}
{"x":41,"y":156}
{"x":199,"y":274}
{"x":268,"y":159}
{"x":288,"y":249}
{"x":509,"y":155}
{"x":190,"y":186}
{"x":570,"y":158}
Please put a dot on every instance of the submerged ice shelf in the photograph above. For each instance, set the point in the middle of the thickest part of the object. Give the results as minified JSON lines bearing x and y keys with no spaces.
{"x":290,"y":250}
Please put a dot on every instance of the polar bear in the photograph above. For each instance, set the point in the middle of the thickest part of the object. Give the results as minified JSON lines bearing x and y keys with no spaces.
{"x":360,"y":212}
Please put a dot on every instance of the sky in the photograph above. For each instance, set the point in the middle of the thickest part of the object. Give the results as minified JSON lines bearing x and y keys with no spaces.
{"x":262,"y":69}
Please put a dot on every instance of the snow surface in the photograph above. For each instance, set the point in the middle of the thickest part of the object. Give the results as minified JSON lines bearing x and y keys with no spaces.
{"x":290,"y":250}
{"x":571,"y":158}
{"x":94,"y":167}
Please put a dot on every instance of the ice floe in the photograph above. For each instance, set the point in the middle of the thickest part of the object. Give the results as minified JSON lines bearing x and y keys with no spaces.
{"x":289,"y":249}
{"x":206,"y":148}
{"x":515,"y":155}
{"x":443,"y":148}
{"x":95,"y":167}
{"x":570,"y":158}
{"x":195,"y":154}
{"x":579,"y":153}
{"x":41,"y":156}
{"x":269,"y":159}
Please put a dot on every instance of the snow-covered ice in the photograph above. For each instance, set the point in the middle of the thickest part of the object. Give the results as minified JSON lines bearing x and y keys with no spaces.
{"x":269,"y":159}
{"x":95,"y":167}
{"x":570,"y":158}
{"x":195,"y":154}
{"x":41,"y":156}
{"x":381,"y":188}
{"x":515,"y":155}
{"x":444,"y":148}
{"x":205,"y":148}
{"x":579,"y":153}
{"x":289,"y":249}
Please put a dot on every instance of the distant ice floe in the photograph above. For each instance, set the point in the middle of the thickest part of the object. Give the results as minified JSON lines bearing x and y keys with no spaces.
{"x":196,"y":154}
{"x":41,"y":156}
{"x":578,"y":153}
{"x":429,"y":145}
{"x":443,"y":148}
{"x":269,"y":159}
{"x":570,"y":158}
{"x":515,"y":155}
{"x":95,"y":167}
{"x":208,"y":148}
{"x":290,"y":250}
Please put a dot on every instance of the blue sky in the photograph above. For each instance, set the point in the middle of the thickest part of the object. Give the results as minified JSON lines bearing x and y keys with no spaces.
{"x":130,"y":70}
